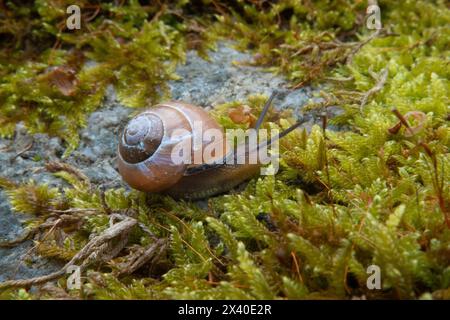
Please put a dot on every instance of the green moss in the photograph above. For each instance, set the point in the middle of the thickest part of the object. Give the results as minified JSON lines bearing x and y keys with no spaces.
{"x":343,"y":200}
{"x":49,"y":88}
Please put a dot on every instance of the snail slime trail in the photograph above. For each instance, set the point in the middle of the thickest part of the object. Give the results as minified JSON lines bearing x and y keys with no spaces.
{"x":178,"y":149}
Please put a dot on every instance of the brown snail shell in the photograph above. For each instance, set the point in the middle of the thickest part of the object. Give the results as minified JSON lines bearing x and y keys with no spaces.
{"x":145,"y":146}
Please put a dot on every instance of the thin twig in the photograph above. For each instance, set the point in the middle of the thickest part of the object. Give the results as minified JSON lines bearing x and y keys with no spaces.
{"x":144,"y":255}
{"x":98,"y":249}
{"x":381,"y":81}
{"x":361,"y":44}
{"x":55,"y":166}
{"x":25,"y":149}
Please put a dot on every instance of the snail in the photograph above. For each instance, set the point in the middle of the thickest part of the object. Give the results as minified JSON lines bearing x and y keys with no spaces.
{"x":146,"y":146}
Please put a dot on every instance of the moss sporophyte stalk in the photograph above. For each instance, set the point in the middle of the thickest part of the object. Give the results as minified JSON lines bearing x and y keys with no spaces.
{"x":360,"y":205}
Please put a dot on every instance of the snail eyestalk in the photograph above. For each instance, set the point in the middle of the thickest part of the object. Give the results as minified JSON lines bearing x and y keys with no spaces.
{"x":224,"y":161}
{"x":265,"y":109}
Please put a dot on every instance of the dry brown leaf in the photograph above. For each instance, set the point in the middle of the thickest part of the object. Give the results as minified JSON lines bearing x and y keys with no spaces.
{"x":64,"y":79}
{"x":242,"y":115}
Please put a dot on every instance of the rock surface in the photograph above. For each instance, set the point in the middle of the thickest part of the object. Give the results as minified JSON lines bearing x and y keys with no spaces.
{"x":204,"y":83}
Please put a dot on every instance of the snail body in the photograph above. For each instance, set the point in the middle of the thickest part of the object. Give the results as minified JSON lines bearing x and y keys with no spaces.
{"x":145,"y":154}
{"x":213,"y":181}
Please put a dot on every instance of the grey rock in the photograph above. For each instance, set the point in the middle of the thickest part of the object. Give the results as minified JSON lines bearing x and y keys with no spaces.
{"x":222,"y":79}
{"x":19,"y":261}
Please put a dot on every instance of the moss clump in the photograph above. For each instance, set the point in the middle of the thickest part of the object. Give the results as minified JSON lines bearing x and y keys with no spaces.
{"x":371,"y":193}
{"x":45,"y":80}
